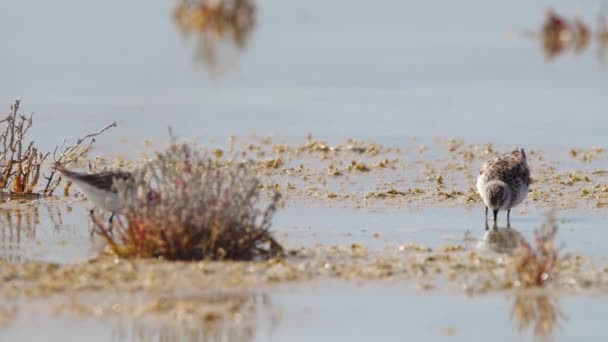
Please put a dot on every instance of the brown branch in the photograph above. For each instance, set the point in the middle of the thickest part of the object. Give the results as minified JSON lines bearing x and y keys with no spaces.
{"x":71,"y":149}
{"x":20,"y":164}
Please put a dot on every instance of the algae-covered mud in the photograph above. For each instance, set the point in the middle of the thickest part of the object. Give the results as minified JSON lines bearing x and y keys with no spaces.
{"x":370,"y":120}
{"x":54,"y":268}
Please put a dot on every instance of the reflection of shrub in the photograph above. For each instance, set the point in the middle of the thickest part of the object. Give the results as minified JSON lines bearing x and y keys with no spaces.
{"x":220,"y":27}
{"x":20,"y":161}
{"x":538,"y":310}
{"x":184,"y":206}
{"x":222,"y":18}
{"x":602,"y":31}
{"x":534,"y":267}
{"x":230,"y":316}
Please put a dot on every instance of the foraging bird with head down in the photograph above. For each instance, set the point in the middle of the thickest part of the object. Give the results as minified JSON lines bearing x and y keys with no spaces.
{"x":98,"y":187}
{"x":503,"y":182}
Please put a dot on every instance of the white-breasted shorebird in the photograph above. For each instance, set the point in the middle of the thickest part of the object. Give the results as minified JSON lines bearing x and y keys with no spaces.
{"x":503,"y":182}
{"x":98,"y":187}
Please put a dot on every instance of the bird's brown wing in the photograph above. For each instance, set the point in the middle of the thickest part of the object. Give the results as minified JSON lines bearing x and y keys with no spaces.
{"x":484,"y":167}
{"x":525,"y":172}
{"x":102,"y":180}
{"x":490,"y":164}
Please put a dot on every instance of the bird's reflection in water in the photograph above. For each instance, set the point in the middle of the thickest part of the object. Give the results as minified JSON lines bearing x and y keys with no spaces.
{"x":537,"y":311}
{"x":233,"y":317}
{"x":500,"y":240}
{"x":220,"y":29}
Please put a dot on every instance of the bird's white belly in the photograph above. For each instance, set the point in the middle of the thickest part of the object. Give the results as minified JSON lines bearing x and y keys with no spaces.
{"x":481,"y":189}
{"x":520,"y":195}
{"x":106,"y":200}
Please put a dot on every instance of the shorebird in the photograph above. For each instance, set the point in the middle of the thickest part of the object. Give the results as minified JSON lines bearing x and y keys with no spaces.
{"x":503,"y":182}
{"x":98,"y":187}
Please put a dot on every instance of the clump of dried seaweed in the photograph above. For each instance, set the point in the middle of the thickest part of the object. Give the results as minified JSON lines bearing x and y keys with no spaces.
{"x":20,"y":161}
{"x":536,"y":266}
{"x":184,"y":206}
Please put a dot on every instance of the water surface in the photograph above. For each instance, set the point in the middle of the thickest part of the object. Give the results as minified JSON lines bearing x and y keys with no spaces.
{"x":380,"y":71}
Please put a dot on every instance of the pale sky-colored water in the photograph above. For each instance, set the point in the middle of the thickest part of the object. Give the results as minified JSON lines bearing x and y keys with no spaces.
{"x":382,"y":71}
{"x":333,"y":311}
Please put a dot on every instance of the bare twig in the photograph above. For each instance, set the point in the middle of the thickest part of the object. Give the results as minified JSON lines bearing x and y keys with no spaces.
{"x":72,"y":152}
{"x":20,"y":165}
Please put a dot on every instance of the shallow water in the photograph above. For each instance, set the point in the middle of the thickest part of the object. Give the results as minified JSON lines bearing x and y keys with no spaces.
{"x":330,"y":311}
{"x":395,"y":313}
{"x":340,"y":69}
{"x":384,"y":72}
{"x":64,"y":236}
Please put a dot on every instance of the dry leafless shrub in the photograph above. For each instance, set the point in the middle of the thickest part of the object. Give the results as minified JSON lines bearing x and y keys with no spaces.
{"x":536,"y":266}
{"x":184,"y":206}
{"x":21,"y":161}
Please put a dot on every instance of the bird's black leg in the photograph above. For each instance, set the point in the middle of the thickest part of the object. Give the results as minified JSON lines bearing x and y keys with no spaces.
{"x":509,"y":218}
{"x":91,"y":212}
{"x":495,"y":214}
{"x":486,"y":218}
{"x":111,"y":217}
